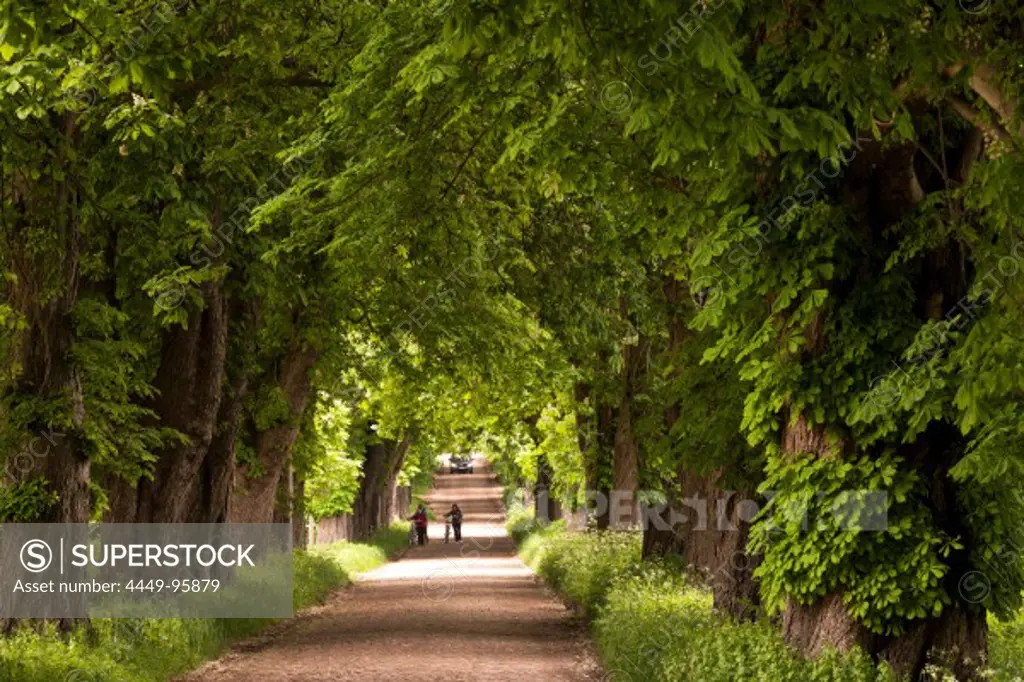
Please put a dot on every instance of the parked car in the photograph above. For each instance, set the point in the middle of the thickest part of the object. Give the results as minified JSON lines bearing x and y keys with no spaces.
{"x":461,"y":465}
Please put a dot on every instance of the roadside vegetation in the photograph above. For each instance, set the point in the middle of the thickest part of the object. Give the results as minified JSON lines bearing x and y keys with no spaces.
{"x":652,"y":622}
{"x":155,"y":650}
{"x":266,"y":260}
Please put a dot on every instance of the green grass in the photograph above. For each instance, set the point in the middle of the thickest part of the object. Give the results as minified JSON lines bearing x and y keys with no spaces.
{"x":582,"y":567}
{"x":520,"y":522}
{"x":1006,"y":649}
{"x":657,"y":626}
{"x":151,"y":650}
{"x":356,"y":557}
{"x":651,"y":623}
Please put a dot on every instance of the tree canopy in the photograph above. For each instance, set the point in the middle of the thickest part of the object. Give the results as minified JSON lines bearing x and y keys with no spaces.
{"x":758,"y":249}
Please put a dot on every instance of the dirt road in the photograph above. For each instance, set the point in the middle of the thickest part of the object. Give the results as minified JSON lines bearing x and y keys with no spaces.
{"x":470,"y":611}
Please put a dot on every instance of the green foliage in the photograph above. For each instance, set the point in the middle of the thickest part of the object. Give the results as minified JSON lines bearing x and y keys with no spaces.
{"x":582,"y":566}
{"x":25,"y":502}
{"x":479,"y":245}
{"x":651,"y":623}
{"x":656,"y":626}
{"x":332,"y":478}
{"x":1006,"y":649}
{"x":814,"y":540}
{"x":111,"y":364}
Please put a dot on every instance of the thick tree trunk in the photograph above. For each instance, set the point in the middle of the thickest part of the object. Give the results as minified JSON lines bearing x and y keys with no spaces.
{"x":662,"y":536}
{"x":122,"y":500}
{"x":956,"y":639}
{"x":375,"y":505}
{"x":624,"y":509}
{"x":546,"y":505}
{"x":824,"y":624}
{"x":602,"y":459}
{"x":43,"y":294}
{"x":704,"y":524}
{"x":372,"y":508}
{"x":391,"y":509}
{"x":219,"y":466}
{"x":255,"y":491}
{"x":882,"y":187}
{"x":708,"y":528}
{"x":367,"y":507}
{"x":217,"y":476}
{"x":190,"y":385}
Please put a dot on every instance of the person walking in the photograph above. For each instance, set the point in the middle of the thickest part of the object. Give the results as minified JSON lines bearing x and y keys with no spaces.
{"x":419,"y":520}
{"x":455,"y":518}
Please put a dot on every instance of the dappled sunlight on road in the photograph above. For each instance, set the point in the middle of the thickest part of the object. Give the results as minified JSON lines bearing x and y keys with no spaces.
{"x":456,"y":567}
{"x":486,"y":550}
{"x":453,"y":612}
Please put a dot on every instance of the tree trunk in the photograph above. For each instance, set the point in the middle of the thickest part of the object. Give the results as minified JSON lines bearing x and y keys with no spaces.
{"x":956,"y":639}
{"x":602,"y":459}
{"x":372,"y":508}
{"x":255,"y":491}
{"x":218,"y":472}
{"x":581,"y":393}
{"x":300,"y":535}
{"x":661,"y":535}
{"x":705,"y":525}
{"x":546,"y":505}
{"x":219,"y":466}
{"x":623,"y":507}
{"x":883,"y":186}
{"x":708,"y":528}
{"x":391,"y":509}
{"x":189,"y":382}
{"x":42,"y":294}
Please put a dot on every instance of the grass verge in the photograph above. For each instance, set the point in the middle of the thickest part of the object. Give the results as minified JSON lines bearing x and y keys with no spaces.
{"x":152,"y":650}
{"x":652,"y":624}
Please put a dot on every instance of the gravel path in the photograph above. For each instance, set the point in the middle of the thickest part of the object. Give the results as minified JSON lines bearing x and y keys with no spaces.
{"x":470,"y":611}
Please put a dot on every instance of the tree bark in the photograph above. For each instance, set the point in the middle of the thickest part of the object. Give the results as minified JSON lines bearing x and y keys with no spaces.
{"x":256,"y":487}
{"x":705,"y":525}
{"x":883,"y":186}
{"x":658,"y":539}
{"x":374,"y":506}
{"x":300,"y":534}
{"x":190,"y":384}
{"x":219,"y":466}
{"x":623,"y":505}
{"x":42,"y":295}
{"x":391,"y":507}
{"x":603,"y":455}
{"x":546,"y":505}
{"x":623,"y":508}
{"x":217,"y":476}
{"x":708,"y":528}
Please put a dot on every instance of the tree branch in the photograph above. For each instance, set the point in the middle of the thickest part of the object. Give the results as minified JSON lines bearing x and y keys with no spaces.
{"x":978,"y":119}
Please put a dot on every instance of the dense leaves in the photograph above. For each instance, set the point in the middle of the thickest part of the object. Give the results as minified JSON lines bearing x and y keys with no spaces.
{"x":642,"y":247}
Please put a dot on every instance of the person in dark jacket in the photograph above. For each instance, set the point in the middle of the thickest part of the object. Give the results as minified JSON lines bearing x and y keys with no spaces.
{"x":455,"y":518}
{"x":419,"y":519}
